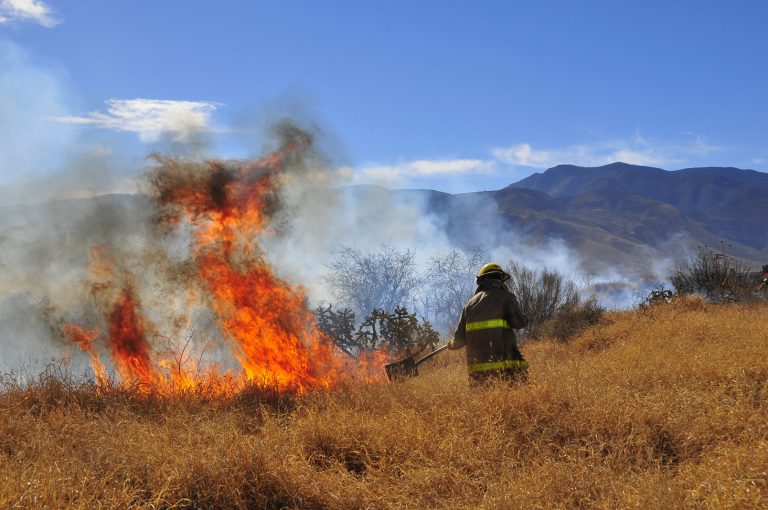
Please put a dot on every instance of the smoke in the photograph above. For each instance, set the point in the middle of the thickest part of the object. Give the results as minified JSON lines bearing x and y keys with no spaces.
{"x":53,"y":209}
{"x":41,"y":159}
{"x":58,"y":202}
{"x":25,"y":337}
{"x":324,"y":214}
{"x":30,"y":145}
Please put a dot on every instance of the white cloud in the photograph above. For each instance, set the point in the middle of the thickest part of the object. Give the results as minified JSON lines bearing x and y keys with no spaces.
{"x":152,"y":118}
{"x":524,"y":155}
{"x":516,"y":161}
{"x":448,"y":166}
{"x":28,"y":10}
{"x":403,"y":171}
{"x":636,"y":151}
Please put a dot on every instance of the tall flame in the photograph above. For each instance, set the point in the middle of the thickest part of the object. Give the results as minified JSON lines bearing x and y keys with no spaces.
{"x":228,"y":206}
{"x":128,"y":340}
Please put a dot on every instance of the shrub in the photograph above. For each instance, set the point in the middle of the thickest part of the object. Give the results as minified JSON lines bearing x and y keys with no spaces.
{"x":541,"y":294}
{"x":716,"y":276}
{"x":400,"y":332}
{"x":569,"y":322}
{"x":338,"y":326}
{"x":656,"y":296}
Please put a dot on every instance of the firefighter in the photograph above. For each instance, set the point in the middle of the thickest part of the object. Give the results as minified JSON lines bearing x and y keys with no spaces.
{"x":764,"y":283}
{"x":487,"y":327}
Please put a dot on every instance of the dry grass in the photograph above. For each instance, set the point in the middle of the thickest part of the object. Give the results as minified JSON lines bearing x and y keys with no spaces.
{"x":656,"y":409}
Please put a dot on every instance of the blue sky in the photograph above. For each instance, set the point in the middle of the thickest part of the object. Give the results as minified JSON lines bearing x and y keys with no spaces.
{"x":456,"y":96}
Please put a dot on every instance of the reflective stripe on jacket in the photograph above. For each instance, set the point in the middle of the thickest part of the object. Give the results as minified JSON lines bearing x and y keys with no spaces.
{"x":489,"y":366}
{"x":491,"y":324}
{"x":487,"y":327}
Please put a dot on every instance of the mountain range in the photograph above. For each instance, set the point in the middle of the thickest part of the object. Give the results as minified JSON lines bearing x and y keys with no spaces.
{"x":621,"y":213}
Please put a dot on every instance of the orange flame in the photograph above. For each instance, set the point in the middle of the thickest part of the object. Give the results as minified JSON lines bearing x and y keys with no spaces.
{"x":127,"y":339}
{"x":274,"y":336}
{"x":84,"y":339}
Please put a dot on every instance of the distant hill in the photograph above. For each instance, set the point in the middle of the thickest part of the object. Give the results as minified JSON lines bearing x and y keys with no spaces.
{"x":612,"y":228}
{"x":729,"y":203}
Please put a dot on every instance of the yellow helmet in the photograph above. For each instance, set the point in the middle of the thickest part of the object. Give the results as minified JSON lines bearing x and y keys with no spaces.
{"x":493,"y":268}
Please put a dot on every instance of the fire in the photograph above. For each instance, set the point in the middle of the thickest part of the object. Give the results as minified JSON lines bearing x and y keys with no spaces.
{"x":127,"y":339}
{"x":370,"y":365}
{"x":273,"y":335}
{"x":84,"y":339}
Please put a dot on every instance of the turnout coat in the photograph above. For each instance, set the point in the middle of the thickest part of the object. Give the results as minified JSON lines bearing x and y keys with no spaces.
{"x":487,"y":327}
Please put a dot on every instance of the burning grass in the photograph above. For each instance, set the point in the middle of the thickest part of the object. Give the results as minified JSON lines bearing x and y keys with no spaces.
{"x":654,"y":409}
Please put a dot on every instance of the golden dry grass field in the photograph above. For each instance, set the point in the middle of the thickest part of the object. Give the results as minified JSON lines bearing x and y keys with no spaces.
{"x":660,"y":409}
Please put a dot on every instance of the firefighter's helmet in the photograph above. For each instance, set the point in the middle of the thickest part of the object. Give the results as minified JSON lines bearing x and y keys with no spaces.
{"x":492,"y":268}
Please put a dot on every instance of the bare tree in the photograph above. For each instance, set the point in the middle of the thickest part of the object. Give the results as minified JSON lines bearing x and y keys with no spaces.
{"x":384,"y":278}
{"x":542,"y":294}
{"x":450,"y":284}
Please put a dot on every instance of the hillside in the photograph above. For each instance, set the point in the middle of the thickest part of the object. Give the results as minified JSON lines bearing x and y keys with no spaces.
{"x":666,"y":408}
{"x":729,"y":203}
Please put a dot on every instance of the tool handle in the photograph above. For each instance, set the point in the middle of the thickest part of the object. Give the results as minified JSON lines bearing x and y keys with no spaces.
{"x":432,"y":354}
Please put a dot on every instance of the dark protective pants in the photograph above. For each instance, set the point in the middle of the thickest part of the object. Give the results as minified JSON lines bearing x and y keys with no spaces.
{"x":511,"y":371}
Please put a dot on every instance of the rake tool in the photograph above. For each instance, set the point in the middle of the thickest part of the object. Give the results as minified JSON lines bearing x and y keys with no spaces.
{"x":408,"y":367}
